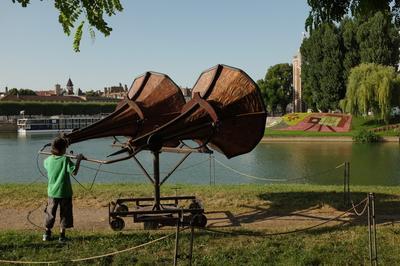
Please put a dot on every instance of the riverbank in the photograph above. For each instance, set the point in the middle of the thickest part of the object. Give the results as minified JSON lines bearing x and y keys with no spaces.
{"x":6,"y":127}
{"x":267,"y":139}
{"x":255,"y":209}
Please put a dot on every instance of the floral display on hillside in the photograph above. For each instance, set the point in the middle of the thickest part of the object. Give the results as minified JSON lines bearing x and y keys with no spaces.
{"x":319,"y":122}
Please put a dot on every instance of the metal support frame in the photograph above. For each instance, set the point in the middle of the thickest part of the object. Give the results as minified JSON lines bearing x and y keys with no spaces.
{"x":154,"y":210}
{"x":177,"y":255}
{"x":346,"y":184}
{"x":373,"y":251}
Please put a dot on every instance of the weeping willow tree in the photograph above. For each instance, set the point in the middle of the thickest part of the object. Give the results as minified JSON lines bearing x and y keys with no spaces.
{"x":371,"y":87}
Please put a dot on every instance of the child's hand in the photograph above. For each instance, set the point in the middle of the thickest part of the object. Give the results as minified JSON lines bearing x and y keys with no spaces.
{"x":80,"y":157}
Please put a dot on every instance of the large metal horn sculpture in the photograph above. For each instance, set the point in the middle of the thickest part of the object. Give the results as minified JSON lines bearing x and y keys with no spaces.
{"x":226,"y":112}
{"x":152,"y":100}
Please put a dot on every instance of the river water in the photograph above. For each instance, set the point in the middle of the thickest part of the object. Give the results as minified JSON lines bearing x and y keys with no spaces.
{"x":316,"y":163}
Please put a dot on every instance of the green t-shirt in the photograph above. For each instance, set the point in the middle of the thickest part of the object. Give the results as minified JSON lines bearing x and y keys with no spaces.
{"x":59,"y":169}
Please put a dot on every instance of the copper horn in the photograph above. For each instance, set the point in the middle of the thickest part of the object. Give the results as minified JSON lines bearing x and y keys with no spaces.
{"x":226,"y":113}
{"x":152,"y":100}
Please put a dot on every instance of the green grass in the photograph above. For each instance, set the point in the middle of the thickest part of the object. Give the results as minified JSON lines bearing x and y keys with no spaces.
{"x":358,"y":123}
{"x":346,"y":245}
{"x":338,"y":245}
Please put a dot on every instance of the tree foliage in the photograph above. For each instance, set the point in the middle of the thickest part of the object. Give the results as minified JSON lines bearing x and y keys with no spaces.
{"x":55,"y":108}
{"x":378,"y":41}
{"x":277,"y":87}
{"x":332,"y":51}
{"x":328,"y":11}
{"x":322,"y":70}
{"x":370,"y":88}
{"x":15,"y":91}
{"x":74,"y":13}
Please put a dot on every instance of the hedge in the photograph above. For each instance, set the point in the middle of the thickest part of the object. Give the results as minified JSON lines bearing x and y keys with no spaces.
{"x":55,"y":108}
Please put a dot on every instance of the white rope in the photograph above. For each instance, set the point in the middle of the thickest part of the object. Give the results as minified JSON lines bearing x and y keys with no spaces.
{"x":255,"y":177}
{"x":89,"y":258}
{"x":266,"y":178}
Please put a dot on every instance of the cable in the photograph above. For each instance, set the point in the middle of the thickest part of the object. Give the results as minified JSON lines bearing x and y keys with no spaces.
{"x":90,"y":258}
{"x":255,"y":177}
{"x":283,"y":233}
{"x":276,"y":179}
{"x":138,"y":174}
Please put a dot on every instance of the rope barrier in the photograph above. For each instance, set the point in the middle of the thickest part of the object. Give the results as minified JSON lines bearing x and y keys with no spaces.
{"x":287,"y":232}
{"x":359,"y":213}
{"x":139,"y":174}
{"x":90,"y":258}
{"x":275,"y":179}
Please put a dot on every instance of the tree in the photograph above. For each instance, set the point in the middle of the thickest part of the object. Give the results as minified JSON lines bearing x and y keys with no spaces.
{"x":351,"y":54}
{"x":329,"y":11}
{"x":15,"y":91}
{"x":378,"y":41}
{"x":371,"y":88}
{"x":322,"y":69}
{"x":74,"y":14}
{"x":277,"y":87}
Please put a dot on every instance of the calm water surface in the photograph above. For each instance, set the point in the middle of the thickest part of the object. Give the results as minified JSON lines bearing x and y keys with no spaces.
{"x":371,"y":164}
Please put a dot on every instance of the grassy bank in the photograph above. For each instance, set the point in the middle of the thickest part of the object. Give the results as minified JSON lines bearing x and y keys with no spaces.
{"x":333,"y":245}
{"x":283,"y":196}
{"x":358,"y":124}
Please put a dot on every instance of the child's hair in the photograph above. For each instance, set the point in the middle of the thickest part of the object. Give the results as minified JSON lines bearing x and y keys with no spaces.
{"x":59,"y":146}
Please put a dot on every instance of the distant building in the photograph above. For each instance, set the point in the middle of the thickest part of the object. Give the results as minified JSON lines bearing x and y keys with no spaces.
{"x":58,"y":90}
{"x":297,"y":94}
{"x":46,"y":93}
{"x":116,"y":92}
{"x":70,"y":87}
{"x":187,"y":93}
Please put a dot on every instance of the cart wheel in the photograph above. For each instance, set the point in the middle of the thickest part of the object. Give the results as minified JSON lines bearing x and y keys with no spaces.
{"x":199,"y":220}
{"x":117,"y":224}
{"x":150,"y":225}
{"x":122,"y":208}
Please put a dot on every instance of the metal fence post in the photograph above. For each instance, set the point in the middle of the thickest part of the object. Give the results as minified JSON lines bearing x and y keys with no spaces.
{"x":191,"y":245}
{"x":373,"y":250}
{"x":369,"y":229}
{"x":176,"y":243}
{"x":374,"y":228}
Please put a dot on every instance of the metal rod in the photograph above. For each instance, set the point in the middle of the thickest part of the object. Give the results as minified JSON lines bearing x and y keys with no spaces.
{"x":95,"y":160}
{"x":348,"y":183}
{"x":191,"y":245}
{"x":176,"y":244}
{"x":156,"y":168}
{"x":344,"y":185}
{"x":143,"y":170}
{"x":374,"y":228}
{"x":209,"y":157}
{"x":176,"y":166}
{"x":369,"y":230}
{"x":213,"y":159}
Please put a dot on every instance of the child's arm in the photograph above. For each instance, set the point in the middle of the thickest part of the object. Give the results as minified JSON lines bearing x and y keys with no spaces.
{"x":79,"y":158}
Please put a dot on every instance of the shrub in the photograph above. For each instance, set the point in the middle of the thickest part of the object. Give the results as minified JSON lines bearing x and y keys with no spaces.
{"x":366,"y":136}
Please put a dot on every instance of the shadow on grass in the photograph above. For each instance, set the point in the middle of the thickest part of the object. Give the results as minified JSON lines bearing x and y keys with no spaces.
{"x":305,"y":206}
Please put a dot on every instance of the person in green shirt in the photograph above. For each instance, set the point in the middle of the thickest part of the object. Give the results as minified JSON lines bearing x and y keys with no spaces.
{"x":59,"y":190}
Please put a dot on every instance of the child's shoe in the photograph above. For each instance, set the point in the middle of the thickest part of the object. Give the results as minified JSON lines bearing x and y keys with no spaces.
{"x":63,"y":239}
{"x":47,"y":236}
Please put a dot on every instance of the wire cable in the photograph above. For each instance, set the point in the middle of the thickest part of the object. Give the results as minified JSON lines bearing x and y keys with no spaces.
{"x":287,"y":232}
{"x":92,"y":257}
{"x":275,"y":179}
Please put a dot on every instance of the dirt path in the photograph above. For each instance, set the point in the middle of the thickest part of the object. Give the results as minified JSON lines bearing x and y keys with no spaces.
{"x":96,"y":219}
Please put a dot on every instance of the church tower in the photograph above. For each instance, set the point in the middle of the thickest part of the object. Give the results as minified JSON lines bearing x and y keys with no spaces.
{"x":70,"y":87}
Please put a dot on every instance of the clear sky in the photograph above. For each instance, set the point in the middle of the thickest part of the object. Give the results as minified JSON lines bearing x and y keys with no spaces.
{"x":180,"y":38}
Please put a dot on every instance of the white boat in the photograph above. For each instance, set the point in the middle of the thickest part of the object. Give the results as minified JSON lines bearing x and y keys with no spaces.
{"x":54,"y":124}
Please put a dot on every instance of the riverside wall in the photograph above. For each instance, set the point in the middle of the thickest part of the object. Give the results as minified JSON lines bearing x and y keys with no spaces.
{"x":8,"y":127}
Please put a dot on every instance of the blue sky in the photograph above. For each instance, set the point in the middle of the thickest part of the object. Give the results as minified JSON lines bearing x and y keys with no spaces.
{"x":180,"y":38}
